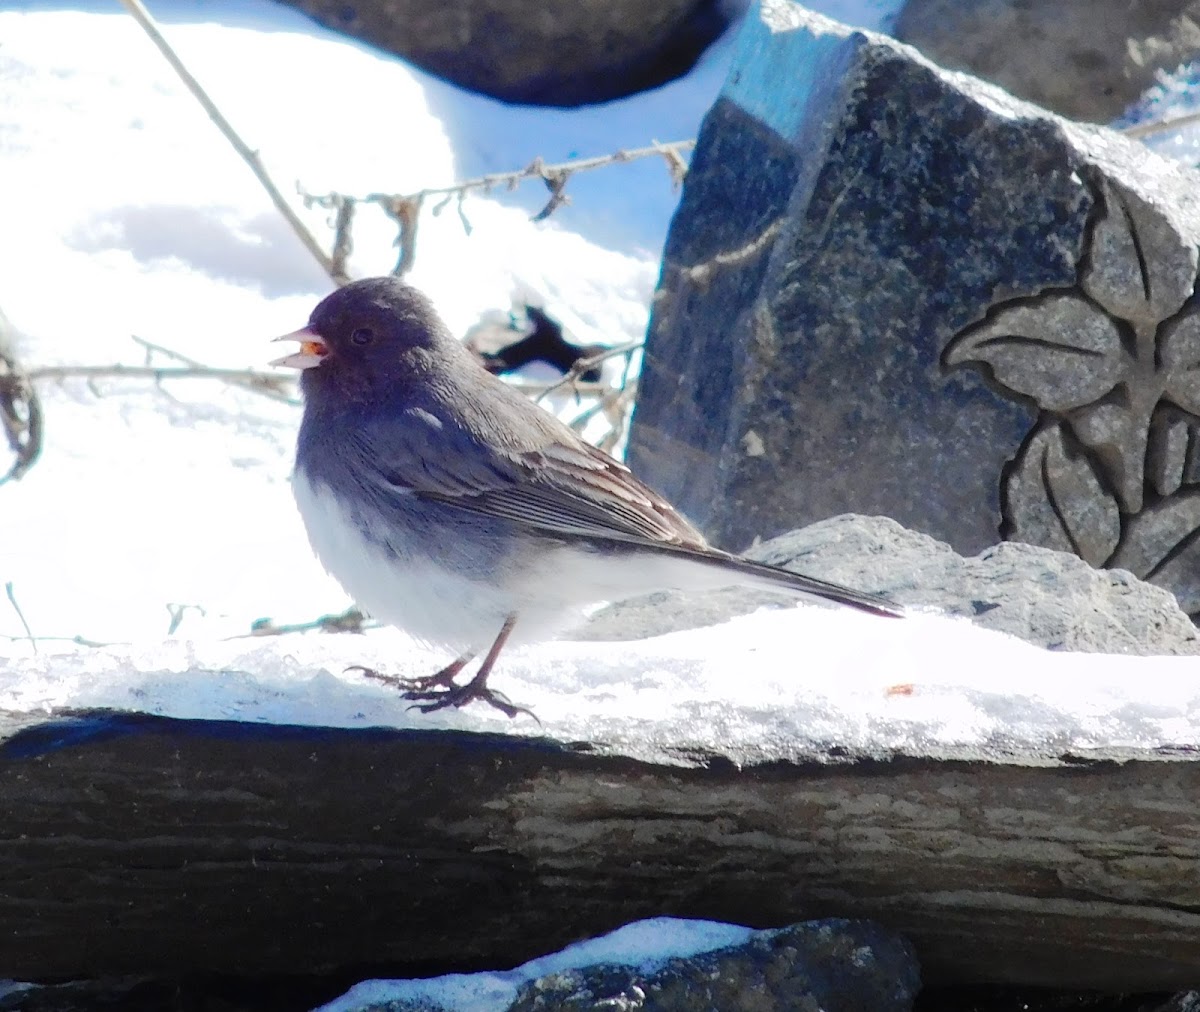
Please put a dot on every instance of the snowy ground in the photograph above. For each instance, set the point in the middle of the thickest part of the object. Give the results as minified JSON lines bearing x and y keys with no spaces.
{"x":160,"y":521}
{"x":128,"y":215}
{"x":154,"y":510}
{"x":770,"y":684}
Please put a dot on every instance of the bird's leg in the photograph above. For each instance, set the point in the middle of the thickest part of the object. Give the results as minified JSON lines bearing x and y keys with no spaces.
{"x":443,"y":678}
{"x":476,"y":688}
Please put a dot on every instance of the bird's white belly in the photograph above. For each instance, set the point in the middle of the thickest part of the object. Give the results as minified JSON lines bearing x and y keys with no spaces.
{"x":410,"y":592}
{"x":547,"y":586}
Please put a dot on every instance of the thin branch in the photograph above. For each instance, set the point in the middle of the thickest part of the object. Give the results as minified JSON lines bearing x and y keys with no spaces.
{"x":535,"y":390}
{"x":619,"y":414}
{"x":77,"y":639}
{"x":537,"y":169}
{"x":554,"y":176}
{"x":270,"y":385}
{"x":406,"y":213}
{"x":343,"y":242}
{"x":556,"y":183}
{"x":12,"y":599}
{"x":251,"y":158}
{"x":602,"y":406}
{"x":350,"y":621}
{"x":571,"y":377}
{"x":178,"y":612}
{"x":153,"y":349}
{"x":1160,"y":126}
{"x":265,"y":383}
{"x":20,"y":409}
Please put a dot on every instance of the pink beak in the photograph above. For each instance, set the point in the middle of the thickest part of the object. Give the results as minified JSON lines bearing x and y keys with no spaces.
{"x":312,"y":349}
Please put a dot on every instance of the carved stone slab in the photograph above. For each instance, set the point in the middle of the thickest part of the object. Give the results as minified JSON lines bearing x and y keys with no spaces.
{"x":894,"y":289}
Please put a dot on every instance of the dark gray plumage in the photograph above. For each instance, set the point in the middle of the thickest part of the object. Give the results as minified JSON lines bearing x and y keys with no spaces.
{"x":453,"y":507}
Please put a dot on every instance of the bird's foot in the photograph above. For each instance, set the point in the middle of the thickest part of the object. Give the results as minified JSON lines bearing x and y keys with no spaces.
{"x":443,"y":679}
{"x":431,"y":699}
{"x":439,"y":690}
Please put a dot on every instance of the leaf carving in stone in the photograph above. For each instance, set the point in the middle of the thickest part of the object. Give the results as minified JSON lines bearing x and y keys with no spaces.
{"x":1171,"y":450}
{"x":1116,"y":429}
{"x":1139,"y":268}
{"x":1162,"y":544}
{"x":1179,"y":355}
{"x":1061,"y":350}
{"x":1054,"y":498}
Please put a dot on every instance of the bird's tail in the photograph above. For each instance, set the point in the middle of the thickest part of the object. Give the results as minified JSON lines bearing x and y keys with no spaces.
{"x":759,"y":574}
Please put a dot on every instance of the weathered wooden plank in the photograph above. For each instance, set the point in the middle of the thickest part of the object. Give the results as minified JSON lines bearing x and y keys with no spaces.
{"x":141,"y":845}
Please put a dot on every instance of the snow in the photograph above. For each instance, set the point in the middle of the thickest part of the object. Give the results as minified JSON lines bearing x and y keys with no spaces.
{"x":806,"y":678}
{"x":161,"y":522}
{"x":647,"y":945}
{"x":130,"y":215}
{"x":135,"y":218}
{"x":1173,"y":97}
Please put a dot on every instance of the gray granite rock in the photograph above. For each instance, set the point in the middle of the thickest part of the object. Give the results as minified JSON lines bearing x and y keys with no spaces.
{"x":1050,"y":598}
{"x":527,"y":51}
{"x":893,"y":289}
{"x":1088,"y":60}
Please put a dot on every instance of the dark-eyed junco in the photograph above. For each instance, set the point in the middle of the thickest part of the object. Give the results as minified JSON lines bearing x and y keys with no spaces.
{"x":451,"y":506}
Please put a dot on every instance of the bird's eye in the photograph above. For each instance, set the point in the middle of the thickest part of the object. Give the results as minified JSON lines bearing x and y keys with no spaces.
{"x":363,"y":335}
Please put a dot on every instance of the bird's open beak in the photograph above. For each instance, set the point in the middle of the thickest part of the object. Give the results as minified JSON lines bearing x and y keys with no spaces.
{"x":312,"y":350}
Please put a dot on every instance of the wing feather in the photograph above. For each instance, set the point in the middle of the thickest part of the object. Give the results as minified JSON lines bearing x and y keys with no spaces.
{"x":558,"y":486}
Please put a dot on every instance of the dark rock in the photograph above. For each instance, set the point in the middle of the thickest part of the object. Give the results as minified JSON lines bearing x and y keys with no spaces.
{"x":894,"y":290}
{"x":1050,"y":598}
{"x":1085,"y":60}
{"x":839,"y":966}
{"x":561,"y":54}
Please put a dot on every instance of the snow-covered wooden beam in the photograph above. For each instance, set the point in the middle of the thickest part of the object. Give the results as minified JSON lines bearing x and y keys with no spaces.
{"x":142,"y":845}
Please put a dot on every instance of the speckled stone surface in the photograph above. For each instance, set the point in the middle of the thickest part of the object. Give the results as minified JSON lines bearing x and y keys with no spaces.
{"x":894,"y":290}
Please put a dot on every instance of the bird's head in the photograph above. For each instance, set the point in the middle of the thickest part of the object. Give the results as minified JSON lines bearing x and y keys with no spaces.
{"x":366,"y":338}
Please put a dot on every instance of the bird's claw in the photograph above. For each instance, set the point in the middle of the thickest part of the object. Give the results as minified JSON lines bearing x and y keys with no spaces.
{"x":442,"y":679}
{"x":439,"y":691}
{"x":429,"y":700}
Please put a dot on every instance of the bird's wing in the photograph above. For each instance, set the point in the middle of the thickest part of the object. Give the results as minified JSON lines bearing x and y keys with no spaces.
{"x":542,"y":480}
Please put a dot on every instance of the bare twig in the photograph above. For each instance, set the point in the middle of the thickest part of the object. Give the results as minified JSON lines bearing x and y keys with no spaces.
{"x":602,"y":406}
{"x":177,"y":613}
{"x":537,"y":169}
{"x":349,"y":621}
{"x":571,"y":377}
{"x":406,"y":213}
{"x":1161,"y":126}
{"x":556,"y":183}
{"x":272,"y":385}
{"x":78,"y":640}
{"x":20,"y":409}
{"x":343,"y":242}
{"x":535,"y":390}
{"x":264,"y":383}
{"x":405,"y":208}
{"x":153,"y":349}
{"x":12,"y":599}
{"x":251,"y":158}
{"x":618,"y":412}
